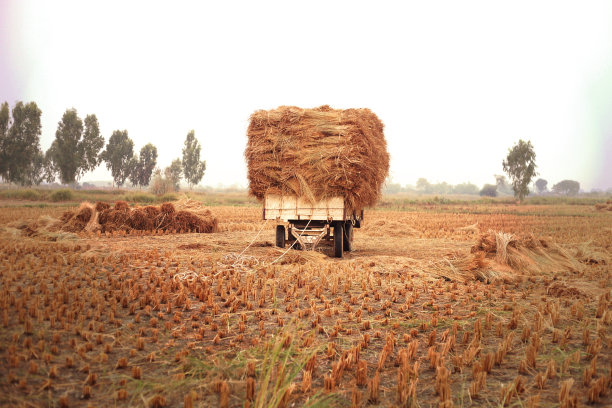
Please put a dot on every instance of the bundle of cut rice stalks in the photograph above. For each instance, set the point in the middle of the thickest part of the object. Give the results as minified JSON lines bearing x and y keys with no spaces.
{"x":317,"y":154}
{"x":102,"y":217}
{"x":524,"y":255}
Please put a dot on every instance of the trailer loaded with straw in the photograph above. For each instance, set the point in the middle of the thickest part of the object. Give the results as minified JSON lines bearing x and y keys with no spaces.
{"x":315,"y":170}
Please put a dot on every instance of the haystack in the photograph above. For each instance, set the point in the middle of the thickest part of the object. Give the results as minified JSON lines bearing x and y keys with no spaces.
{"x":102,"y":217}
{"x":85,"y":218}
{"x":317,"y":154}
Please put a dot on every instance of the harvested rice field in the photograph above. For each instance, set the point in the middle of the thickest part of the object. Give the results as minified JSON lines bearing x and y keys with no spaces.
{"x":437,"y":306}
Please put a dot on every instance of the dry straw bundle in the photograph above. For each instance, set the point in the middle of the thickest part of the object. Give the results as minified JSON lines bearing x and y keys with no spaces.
{"x":102,"y":217}
{"x":317,"y":154}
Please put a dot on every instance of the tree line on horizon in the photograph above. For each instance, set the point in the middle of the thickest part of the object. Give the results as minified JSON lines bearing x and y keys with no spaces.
{"x":519,"y":165}
{"x":79,"y":147}
{"x":500,"y":187}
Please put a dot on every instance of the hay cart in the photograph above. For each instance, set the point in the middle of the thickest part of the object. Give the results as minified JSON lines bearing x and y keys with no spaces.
{"x":305,"y":225}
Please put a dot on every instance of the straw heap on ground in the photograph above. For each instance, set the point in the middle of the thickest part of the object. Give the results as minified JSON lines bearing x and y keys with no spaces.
{"x":317,"y":154}
{"x":183,"y":216}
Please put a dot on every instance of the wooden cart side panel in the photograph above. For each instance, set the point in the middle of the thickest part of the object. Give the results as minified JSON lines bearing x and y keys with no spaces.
{"x":294,"y":208}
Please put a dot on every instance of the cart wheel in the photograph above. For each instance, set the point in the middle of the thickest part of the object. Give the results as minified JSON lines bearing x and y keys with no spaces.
{"x":348,"y":236}
{"x":280,"y":236}
{"x":338,"y":240}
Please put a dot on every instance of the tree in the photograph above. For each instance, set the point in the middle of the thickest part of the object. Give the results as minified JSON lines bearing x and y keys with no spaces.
{"x":91,"y":144}
{"x":502,"y":184}
{"x":5,"y":118}
{"x":142,"y":168}
{"x":441,"y":188}
{"x":118,"y":156}
{"x":465,"y":188}
{"x":37,"y":170}
{"x":63,"y":155}
{"x":520,"y":167}
{"x":174,"y":172}
{"x":160,"y":185}
{"x":75,"y":149}
{"x":423,"y":185}
{"x":134,"y":171}
{"x":147,"y":162}
{"x":488,"y":190}
{"x":193,"y":168}
{"x":393,"y":188}
{"x":541,"y":185}
{"x":567,"y":187}
{"x":49,"y":171}
{"x":20,"y":156}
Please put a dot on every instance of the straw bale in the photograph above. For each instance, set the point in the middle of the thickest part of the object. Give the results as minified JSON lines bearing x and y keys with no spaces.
{"x":151,"y":211}
{"x":522,"y":254}
{"x":80,"y":219}
{"x":167,"y":208}
{"x":193,"y":206}
{"x":121,"y":217}
{"x":93,"y":225}
{"x":113,"y":219}
{"x":104,"y":216}
{"x":121,"y":206}
{"x":84,"y":214}
{"x":101,"y":206}
{"x":139,"y":220}
{"x":317,"y":154}
{"x":66,"y":216}
{"x":187,"y":221}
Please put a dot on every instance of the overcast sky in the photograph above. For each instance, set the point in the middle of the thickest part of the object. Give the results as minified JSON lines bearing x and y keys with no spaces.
{"x":456,"y":83}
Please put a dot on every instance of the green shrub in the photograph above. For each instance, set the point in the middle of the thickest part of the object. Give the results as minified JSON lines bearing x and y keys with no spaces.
{"x":98,"y":191}
{"x":138,"y":198}
{"x":489,"y":190}
{"x":61,"y":195}
{"x":21,"y":194}
{"x":167,"y":197}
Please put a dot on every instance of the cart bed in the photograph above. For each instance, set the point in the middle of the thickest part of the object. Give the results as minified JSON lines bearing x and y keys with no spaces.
{"x":285,"y":208}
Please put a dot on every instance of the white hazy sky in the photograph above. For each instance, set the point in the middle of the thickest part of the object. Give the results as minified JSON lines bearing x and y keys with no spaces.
{"x":456,"y":83}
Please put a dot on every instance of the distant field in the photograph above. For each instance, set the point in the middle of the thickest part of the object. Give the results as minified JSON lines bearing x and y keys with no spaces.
{"x":437,"y":300}
{"x":391,"y":201}
{"x":21,"y":196}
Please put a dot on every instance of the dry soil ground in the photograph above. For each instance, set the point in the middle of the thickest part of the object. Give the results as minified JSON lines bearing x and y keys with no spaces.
{"x":410,"y":318}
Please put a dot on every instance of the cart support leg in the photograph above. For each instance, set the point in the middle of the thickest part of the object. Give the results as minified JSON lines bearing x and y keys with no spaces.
{"x":338,"y":239}
{"x":280,"y":236}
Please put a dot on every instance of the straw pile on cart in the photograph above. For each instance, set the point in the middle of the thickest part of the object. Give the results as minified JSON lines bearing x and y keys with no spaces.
{"x":317,"y":154}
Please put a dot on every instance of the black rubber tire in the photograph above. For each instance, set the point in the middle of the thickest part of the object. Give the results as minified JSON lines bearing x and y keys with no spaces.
{"x":280,"y":236}
{"x":348,"y":237}
{"x":339,"y":240}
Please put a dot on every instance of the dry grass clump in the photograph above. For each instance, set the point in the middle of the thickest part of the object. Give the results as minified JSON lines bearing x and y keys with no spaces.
{"x":317,"y":153}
